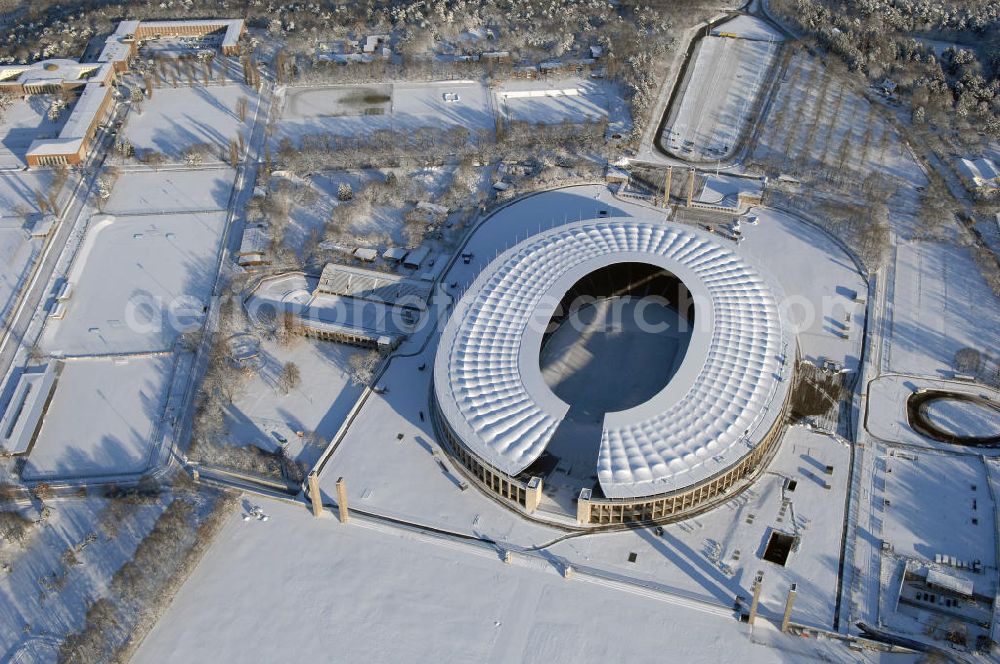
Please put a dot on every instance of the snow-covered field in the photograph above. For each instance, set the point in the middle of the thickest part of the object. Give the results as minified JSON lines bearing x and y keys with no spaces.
{"x":720,"y":87}
{"x":963,"y":418}
{"x":138,"y":282}
{"x":551,"y":101}
{"x":411,"y":105}
{"x":19,"y":192}
{"x":938,"y":503}
{"x":364,"y":592}
{"x":940,"y":305}
{"x":319,"y":404}
{"x":103,"y":418}
{"x":175,"y":119}
{"x":147,"y":191}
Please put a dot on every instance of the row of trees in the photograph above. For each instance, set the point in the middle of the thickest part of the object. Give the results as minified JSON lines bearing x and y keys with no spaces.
{"x":142,"y":587}
{"x":958,"y":85}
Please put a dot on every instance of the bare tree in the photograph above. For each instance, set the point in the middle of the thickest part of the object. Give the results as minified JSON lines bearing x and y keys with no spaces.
{"x":362,"y":366}
{"x":6,"y":101}
{"x":137,"y":98}
{"x":290,"y":377}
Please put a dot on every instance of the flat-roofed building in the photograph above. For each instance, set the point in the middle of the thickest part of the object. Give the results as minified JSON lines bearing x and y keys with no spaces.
{"x":25,"y":409}
{"x":233,"y":31}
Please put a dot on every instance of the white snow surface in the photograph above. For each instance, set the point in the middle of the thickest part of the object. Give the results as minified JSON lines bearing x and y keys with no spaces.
{"x":489,"y":385}
{"x":178,"y":118}
{"x":940,"y":305}
{"x":146,"y":191}
{"x":138,"y":282}
{"x":366,"y":592}
{"x":103,"y":418}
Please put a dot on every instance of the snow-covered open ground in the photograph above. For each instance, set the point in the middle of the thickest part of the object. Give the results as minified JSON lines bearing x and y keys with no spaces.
{"x":963,"y":418}
{"x":720,"y":86}
{"x":175,"y":119}
{"x":367,"y":592}
{"x":319,"y":404}
{"x":103,"y":417}
{"x":146,"y":191}
{"x":931,"y":491}
{"x":138,"y":282}
{"x":323,"y":111}
{"x":941,"y":304}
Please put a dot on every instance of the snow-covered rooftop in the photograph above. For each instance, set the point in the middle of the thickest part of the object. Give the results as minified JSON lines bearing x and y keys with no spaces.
{"x":372,"y":285}
{"x":232,"y":26}
{"x":490,"y":388}
{"x":26,"y":407}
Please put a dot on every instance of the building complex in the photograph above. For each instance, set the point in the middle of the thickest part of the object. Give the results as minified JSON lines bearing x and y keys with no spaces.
{"x":97,"y":81}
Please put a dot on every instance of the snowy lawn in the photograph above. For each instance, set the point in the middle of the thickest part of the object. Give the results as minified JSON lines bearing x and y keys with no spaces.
{"x":373,"y":594}
{"x":148,"y":191}
{"x":319,"y":404}
{"x":940,"y":305}
{"x":138,"y":282}
{"x":411,"y":105}
{"x":935,"y":502}
{"x":102,"y":419}
{"x":175,"y":119}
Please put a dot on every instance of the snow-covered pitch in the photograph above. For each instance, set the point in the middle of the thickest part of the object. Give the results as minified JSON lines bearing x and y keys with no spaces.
{"x":712,"y":413}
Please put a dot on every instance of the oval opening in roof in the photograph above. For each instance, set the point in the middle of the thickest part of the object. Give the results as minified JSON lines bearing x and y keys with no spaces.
{"x":611,"y":328}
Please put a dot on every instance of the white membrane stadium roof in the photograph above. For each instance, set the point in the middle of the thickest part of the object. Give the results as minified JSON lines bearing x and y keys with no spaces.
{"x":714,"y":410}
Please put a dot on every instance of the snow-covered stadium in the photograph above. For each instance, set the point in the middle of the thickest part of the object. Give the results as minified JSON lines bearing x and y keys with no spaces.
{"x":657,"y":452}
